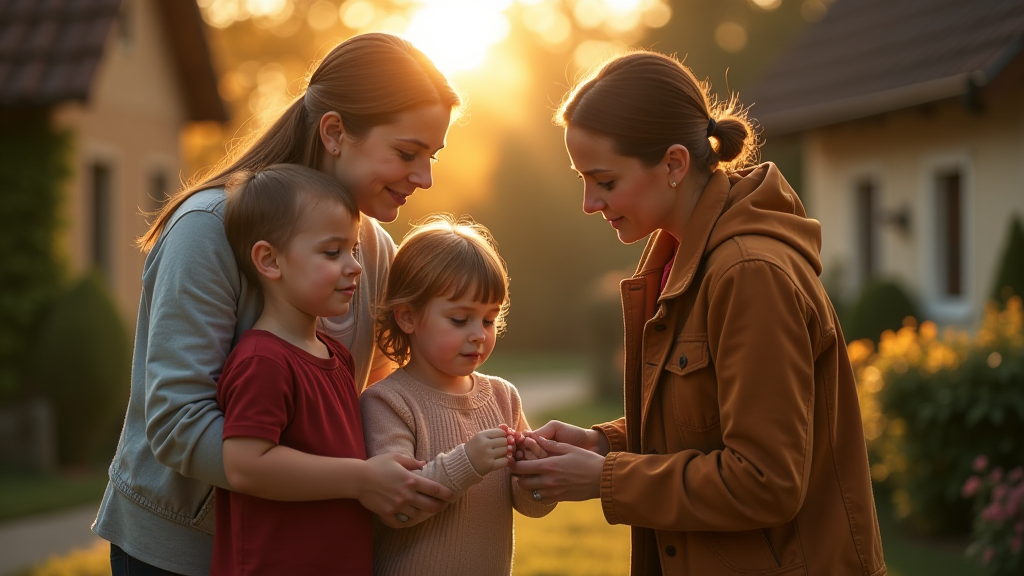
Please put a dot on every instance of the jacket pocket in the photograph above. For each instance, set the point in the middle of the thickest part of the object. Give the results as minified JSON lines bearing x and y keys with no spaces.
{"x":755,"y":551}
{"x":694,"y":389}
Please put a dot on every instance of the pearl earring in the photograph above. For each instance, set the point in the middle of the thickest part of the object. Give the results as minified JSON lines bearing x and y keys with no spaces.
{"x":672,"y":183}
{"x":335,"y":151}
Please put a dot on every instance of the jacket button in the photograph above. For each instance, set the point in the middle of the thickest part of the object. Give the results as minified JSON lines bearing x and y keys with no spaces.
{"x":670,"y":550}
{"x":683,"y":361}
{"x":660,"y":327}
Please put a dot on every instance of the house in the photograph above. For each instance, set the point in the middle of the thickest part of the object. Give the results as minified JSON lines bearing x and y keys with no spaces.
{"x":124,"y":76}
{"x":910,"y":116}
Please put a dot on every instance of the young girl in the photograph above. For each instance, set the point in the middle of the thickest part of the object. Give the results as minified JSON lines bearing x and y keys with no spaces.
{"x":444,"y":305}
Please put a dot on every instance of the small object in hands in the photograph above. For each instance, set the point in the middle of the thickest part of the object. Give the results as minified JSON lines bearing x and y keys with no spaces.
{"x":536,"y":496}
{"x":403,"y":518}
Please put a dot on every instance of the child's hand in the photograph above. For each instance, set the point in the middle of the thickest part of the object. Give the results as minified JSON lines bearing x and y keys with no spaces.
{"x":488,"y":450}
{"x":529,"y":449}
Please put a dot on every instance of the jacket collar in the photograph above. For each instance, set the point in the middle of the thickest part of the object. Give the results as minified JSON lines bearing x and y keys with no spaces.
{"x":661,"y":247}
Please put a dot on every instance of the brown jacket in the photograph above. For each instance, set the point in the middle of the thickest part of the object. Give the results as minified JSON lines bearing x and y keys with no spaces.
{"x":742,"y":450}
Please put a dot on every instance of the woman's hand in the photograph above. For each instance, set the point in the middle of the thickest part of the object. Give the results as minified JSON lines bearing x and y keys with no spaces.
{"x":593,"y":440}
{"x":391,"y":489}
{"x":568,"y":473}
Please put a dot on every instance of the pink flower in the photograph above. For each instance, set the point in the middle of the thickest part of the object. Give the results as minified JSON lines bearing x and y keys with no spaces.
{"x":980,"y":463}
{"x":1015,"y":544}
{"x":992,"y":513}
{"x":996,"y":476}
{"x":1015,"y":475}
{"x":1018,"y":528}
{"x":987,"y":555}
{"x":970,"y":487}
{"x":999,"y":492}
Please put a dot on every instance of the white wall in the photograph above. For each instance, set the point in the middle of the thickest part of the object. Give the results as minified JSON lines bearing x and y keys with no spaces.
{"x":903,"y":151}
{"x":132,"y":122}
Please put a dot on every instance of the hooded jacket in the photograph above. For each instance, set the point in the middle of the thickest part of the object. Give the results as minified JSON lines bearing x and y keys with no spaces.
{"x":742,"y":449}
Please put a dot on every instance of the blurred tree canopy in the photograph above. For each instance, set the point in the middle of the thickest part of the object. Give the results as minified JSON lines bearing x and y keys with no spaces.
{"x":505,"y":162}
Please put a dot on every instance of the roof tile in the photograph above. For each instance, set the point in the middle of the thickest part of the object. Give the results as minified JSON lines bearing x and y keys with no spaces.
{"x":864,"y":48}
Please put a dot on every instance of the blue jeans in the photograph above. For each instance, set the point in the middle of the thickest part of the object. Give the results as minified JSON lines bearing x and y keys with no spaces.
{"x":121,"y":564}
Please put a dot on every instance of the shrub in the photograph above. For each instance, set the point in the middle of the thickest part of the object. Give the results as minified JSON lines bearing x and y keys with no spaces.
{"x":930,"y":404}
{"x":997,"y":538}
{"x":882,"y":305}
{"x":34,"y":161}
{"x":82,"y":363}
{"x":1010,"y":275}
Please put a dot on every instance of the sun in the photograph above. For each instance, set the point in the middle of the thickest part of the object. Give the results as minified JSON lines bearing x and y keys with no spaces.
{"x":456,"y":34}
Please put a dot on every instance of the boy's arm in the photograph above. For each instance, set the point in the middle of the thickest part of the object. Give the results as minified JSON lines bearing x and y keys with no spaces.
{"x":522,"y":499}
{"x":256,"y":394}
{"x":389,"y":427}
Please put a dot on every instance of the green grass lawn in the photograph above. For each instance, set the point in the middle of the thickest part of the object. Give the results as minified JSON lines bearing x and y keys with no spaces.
{"x":26,"y":493}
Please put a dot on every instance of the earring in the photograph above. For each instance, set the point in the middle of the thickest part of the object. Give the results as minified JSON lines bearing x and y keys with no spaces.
{"x":335,"y":151}
{"x":672,"y":183}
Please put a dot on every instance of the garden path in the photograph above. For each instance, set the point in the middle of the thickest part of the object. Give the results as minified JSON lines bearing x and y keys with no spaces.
{"x":26,"y":541}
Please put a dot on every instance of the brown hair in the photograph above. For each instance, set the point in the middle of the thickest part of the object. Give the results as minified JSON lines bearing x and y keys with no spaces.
{"x":441,"y":256}
{"x":646,"y":102}
{"x":368,"y":80}
{"x":269,"y":205}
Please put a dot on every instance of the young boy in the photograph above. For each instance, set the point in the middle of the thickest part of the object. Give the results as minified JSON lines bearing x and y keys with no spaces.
{"x":293,"y":443}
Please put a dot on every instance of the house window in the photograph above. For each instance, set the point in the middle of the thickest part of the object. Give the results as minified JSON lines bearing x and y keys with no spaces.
{"x":949,"y":240}
{"x":865,"y":202}
{"x":157,"y":189}
{"x":102,"y":202}
{"x":125,"y":26}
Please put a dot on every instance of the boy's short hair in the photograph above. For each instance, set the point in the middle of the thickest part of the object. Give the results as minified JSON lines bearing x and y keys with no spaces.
{"x":441,"y":256}
{"x":269,"y":204}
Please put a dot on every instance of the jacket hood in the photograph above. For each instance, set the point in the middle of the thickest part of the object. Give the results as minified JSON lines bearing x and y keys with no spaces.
{"x":756,"y":200}
{"x":762,"y":202}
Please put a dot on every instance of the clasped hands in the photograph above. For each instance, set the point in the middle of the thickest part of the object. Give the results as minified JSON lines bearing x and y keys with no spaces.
{"x":554,"y":463}
{"x":558,"y":461}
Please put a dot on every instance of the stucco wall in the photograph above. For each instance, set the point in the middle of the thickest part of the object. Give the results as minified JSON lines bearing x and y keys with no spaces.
{"x":131,"y":122}
{"x":902,"y":152}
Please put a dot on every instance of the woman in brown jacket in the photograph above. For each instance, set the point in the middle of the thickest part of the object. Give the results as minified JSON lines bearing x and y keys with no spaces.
{"x":741,"y":450}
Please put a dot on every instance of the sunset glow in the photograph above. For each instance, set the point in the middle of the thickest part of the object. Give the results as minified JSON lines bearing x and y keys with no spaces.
{"x":456,"y":34}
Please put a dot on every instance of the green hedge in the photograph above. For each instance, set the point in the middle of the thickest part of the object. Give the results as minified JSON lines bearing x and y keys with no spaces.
{"x":34,"y":162}
{"x":82,"y":363}
{"x":1010,"y":274}
{"x":932,"y":404}
{"x":882,"y":305}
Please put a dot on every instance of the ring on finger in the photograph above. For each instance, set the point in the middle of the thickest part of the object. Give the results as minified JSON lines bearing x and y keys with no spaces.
{"x":402,"y":517}
{"x":536,"y":496}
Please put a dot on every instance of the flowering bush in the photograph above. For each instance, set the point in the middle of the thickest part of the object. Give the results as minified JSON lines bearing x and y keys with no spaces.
{"x":931,"y":402}
{"x":998,"y":535}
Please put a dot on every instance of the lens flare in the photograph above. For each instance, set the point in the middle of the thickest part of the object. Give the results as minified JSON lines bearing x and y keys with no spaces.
{"x":456,"y":34}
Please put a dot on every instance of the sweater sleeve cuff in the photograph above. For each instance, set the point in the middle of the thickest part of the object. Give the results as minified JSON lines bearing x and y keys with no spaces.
{"x":607,"y":473}
{"x":459,"y":469}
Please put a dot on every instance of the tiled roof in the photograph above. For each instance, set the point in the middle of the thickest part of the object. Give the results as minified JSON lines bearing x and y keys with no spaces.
{"x":867,"y":57}
{"x":50,"y":49}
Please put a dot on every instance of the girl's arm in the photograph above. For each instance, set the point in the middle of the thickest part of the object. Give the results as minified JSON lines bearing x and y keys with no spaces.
{"x":194,"y":287}
{"x":389,"y":427}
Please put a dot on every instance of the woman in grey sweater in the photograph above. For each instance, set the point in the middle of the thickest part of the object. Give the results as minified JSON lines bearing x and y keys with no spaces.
{"x":375,"y":112}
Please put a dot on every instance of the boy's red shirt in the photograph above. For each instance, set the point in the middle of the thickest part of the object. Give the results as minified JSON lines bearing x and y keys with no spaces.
{"x":273,"y":390}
